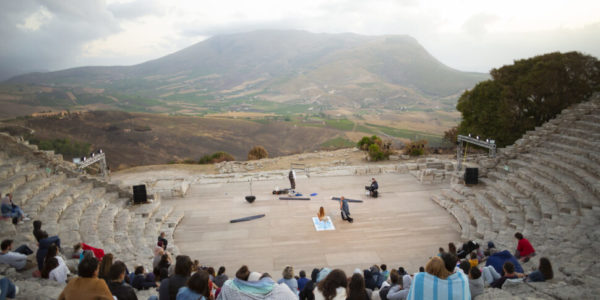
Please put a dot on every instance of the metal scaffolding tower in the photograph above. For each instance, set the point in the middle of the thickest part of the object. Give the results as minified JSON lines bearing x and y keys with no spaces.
{"x":489,"y":144}
{"x":98,"y":157}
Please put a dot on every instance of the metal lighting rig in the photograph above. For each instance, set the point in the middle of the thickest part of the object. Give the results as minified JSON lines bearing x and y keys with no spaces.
{"x":489,"y":144}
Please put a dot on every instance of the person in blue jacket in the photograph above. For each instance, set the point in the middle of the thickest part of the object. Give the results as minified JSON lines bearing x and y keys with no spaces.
{"x":498,"y":258}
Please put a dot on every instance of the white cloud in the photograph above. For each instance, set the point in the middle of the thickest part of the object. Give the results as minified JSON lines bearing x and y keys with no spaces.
{"x":36,"y":20}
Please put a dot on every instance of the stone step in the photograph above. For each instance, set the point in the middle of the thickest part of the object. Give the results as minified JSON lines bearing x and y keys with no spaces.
{"x":576,"y":141}
{"x":10,"y":167}
{"x":73,"y":216}
{"x":36,"y":204}
{"x":53,"y":210}
{"x":583,"y":186}
{"x":17,"y":180}
{"x":121,"y":235}
{"x":494,"y":193}
{"x":541,"y":199}
{"x":562,"y":198}
{"x":458,"y":213}
{"x":107,"y":222}
{"x":89,"y":225}
{"x":591,"y":127}
{"x":593,"y":118}
{"x":583,"y":133}
{"x":557,"y":145}
{"x":580,"y":161}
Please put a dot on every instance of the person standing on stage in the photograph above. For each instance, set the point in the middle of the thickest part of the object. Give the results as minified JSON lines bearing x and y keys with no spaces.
{"x":292,"y":177}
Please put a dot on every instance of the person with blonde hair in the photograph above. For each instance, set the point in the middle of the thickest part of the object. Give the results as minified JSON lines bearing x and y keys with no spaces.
{"x":437,"y":283}
{"x":288,"y":279}
{"x":321,"y":214}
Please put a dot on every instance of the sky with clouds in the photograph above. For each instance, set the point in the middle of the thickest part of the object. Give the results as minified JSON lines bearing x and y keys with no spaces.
{"x":469,"y":35}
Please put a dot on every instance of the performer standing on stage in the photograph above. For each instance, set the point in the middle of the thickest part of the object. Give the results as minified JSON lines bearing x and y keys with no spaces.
{"x":292,"y":177}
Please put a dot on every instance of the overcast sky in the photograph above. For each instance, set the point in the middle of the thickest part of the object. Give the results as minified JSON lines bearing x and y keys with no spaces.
{"x":469,"y":35}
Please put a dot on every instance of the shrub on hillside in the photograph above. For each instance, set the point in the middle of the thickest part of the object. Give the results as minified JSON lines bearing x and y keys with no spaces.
{"x":216,"y":157}
{"x":257,"y":152}
{"x":366,"y":142}
{"x":416,"y":148}
{"x":375,"y":153}
{"x":66,"y":147}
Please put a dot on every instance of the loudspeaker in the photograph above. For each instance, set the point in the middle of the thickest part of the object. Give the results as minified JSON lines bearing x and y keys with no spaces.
{"x":139,"y":194}
{"x":471,"y":176}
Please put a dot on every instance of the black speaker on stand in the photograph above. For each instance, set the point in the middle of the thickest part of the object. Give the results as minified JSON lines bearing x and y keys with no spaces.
{"x":471,"y":176}
{"x":139,"y":194}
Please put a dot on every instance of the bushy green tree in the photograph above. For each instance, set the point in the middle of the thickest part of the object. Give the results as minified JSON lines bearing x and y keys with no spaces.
{"x":257,"y":152}
{"x":366,"y":142}
{"x":528,"y":93}
{"x":375,"y":153}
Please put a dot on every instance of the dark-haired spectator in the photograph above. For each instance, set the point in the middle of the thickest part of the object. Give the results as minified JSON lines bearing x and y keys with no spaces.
{"x":473,"y":260}
{"x":87,"y":285}
{"x":421,"y":269}
{"x":197,"y":288}
{"x":59,"y":272}
{"x":400,"y":292}
{"x":465,"y":266}
{"x":497,"y":260}
{"x":452,"y":248}
{"x":440,"y":282}
{"x":307,"y":293}
{"x":44,"y":244}
{"x":384,"y":275}
{"x":440,"y":252}
{"x":509,"y":273}
{"x":170,"y":286}
{"x":449,"y":261}
{"x":475,"y":282}
{"x":524,"y":248}
{"x":302,"y":280}
{"x":402,"y":271}
{"x":357,"y":289}
{"x":38,"y":233}
{"x":163,"y":240}
{"x":333,"y":287}
{"x":369,"y":280}
{"x":141,"y":280}
{"x":16,"y":259}
{"x":387,"y":287}
{"x":117,"y":285}
{"x":543,"y":273}
{"x":288,"y":279}
{"x":221,"y":277}
{"x":49,"y":265}
{"x":105,"y":264}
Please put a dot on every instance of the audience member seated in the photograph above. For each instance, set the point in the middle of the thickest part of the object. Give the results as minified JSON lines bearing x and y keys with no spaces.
{"x":117,"y":285}
{"x":333,"y":287}
{"x":141,"y":280}
{"x":16,"y":259}
{"x":509,"y":273}
{"x":400,"y":292}
{"x":489,"y":275}
{"x":357,"y":289}
{"x":244,"y":286}
{"x":87,"y":286}
{"x":524,"y":248}
{"x":452,"y":248}
{"x":288,"y":279}
{"x":307,"y":293}
{"x":38,"y":233}
{"x":375,"y":272}
{"x":60,"y":272}
{"x":98,"y":253}
{"x":369,"y":280}
{"x":158,"y":253}
{"x":373,"y":188}
{"x":10,"y":210}
{"x":475,"y":282}
{"x":467,"y":248}
{"x":170,"y":286}
{"x":447,"y":285}
{"x":497,"y":260}
{"x":7,"y":288}
{"x":221,"y":277}
{"x":44,"y":243}
{"x":473,"y":259}
{"x":163,"y":240}
{"x":302,"y":280}
{"x":105,"y":265}
{"x":543,"y":273}
{"x":197,"y":288}
{"x":384,"y":275}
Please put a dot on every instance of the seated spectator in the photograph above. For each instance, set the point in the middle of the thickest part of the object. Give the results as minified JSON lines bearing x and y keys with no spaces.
{"x":241,"y":287}
{"x":302,"y":280}
{"x":467,"y":248}
{"x":16,"y":259}
{"x":165,"y":262}
{"x":373,"y":188}
{"x":543,"y":273}
{"x":60,"y":272}
{"x":170,"y":286}
{"x":369,"y":280}
{"x":163,"y":240}
{"x":11,"y":210}
{"x":48,"y":272}
{"x":524,"y":248}
{"x":475,"y":282}
{"x":401,"y":292}
{"x":105,"y":264}
{"x":117,"y":285}
{"x":452,"y":248}
{"x":497,"y":260}
{"x":77,"y":250}
{"x":197,"y":288}
{"x":44,"y":243}
{"x":7,"y":288}
{"x":141,"y":280}
{"x":384,"y":274}
{"x":394,"y":280}
{"x":38,"y":233}
{"x":440,"y":252}
{"x":489,"y":275}
{"x":333,"y":287}
{"x":473,"y":259}
{"x":87,"y":285}
{"x":158,"y":253}
{"x":211,"y":273}
{"x":447,"y":285}
{"x":509,"y":273}
{"x":357,"y":289}
{"x":288,"y":279}
{"x":465,"y":267}
{"x":221,"y":277}
{"x":375,"y":272}
{"x":307,"y":293}
{"x":98,"y":253}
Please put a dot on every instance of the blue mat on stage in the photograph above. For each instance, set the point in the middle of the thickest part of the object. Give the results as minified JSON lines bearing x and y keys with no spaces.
{"x":324,"y":225}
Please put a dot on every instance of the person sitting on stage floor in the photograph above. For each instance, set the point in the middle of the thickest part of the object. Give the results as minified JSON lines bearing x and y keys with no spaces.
{"x":373,"y":188}
{"x":345,"y":210}
{"x":321,"y":215}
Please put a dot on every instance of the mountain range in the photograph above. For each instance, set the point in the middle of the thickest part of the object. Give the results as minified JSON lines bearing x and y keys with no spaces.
{"x":266,"y":71}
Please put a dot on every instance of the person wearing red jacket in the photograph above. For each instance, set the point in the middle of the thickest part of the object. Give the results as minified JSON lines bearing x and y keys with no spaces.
{"x":524,"y":248}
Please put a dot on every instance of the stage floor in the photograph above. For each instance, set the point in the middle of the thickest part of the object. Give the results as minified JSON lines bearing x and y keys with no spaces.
{"x":402,"y":227}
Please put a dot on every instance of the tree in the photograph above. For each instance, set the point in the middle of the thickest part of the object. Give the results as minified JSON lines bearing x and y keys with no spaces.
{"x":451,"y":135}
{"x":257,"y":152}
{"x":528,"y":93}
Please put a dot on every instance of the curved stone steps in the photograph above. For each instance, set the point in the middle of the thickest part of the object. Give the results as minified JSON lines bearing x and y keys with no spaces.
{"x":556,"y":145}
{"x":590,"y":127}
{"x":541,"y":199}
{"x":580,"y":161}
{"x":142,"y":213}
{"x":36,"y":204}
{"x":70,"y":223}
{"x":32,"y":188}
{"x":463,"y":203}
{"x":10,"y":167}
{"x":107,"y":221}
{"x":121,"y":236}
{"x":53,"y":210}
{"x":579,"y":182}
{"x":458,"y":213}
{"x":583,"y":133}
{"x":17,"y":180}
{"x":571,"y":140}
{"x":515,"y":217}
